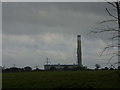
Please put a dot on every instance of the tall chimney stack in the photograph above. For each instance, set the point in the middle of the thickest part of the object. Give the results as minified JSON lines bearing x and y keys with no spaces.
{"x":79,"y":53}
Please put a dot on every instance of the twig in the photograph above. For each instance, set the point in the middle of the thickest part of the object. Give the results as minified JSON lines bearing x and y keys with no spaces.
{"x":111,"y":14}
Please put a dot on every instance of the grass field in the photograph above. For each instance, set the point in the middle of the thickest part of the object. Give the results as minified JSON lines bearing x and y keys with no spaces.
{"x":61,"y":79}
{"x":0,"y":80}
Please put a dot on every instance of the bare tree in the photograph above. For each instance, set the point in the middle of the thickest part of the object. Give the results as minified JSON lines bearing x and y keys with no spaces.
{"x":115,"y":39}
{"x":97,"y":66}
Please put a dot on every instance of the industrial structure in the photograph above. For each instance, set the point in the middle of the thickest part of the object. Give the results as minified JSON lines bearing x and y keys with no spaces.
{"x":79,"y":53}
{"x":79,"y":59}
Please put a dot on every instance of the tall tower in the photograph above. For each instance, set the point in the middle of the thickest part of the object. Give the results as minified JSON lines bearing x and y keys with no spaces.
{"x":79,"y":53}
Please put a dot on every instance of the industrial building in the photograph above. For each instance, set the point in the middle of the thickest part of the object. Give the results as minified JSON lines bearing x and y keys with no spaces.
{"x":59,"y":67}
{"x":79,"y":59}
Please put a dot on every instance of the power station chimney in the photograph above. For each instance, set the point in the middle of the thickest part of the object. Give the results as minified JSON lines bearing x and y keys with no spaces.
{"x":79,"y":53}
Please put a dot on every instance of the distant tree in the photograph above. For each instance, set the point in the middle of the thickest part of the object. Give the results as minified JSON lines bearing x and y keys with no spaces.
{"x":80,"y":68}
{"x":119,"y":67}
{"x":85,"y":68}
{"x":13,"y":69}
{"x":37,"y":69}
{"x":27,"y":68}
{"x":106,"y":68}
{"x":111,"y":68}
{"x":97,"y":66}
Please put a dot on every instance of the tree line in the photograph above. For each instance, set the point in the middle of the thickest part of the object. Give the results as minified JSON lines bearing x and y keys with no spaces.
{"x":16,"y":69}
{"x":29,"y":69}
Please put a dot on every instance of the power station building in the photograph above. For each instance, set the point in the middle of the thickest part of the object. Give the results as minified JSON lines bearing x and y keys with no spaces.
{"x":79,"y":59}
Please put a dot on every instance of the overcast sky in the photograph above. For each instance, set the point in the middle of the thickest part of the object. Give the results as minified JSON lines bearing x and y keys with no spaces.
{"x":32,"y":32}
{"x":55,"y":0}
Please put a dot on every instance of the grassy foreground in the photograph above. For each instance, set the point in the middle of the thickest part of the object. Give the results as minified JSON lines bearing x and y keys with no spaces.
{"x":0,"y":80}
{"x":61,"y":79}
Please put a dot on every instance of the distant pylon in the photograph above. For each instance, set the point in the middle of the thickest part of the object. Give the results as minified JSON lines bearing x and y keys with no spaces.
{"x":47,"y":61}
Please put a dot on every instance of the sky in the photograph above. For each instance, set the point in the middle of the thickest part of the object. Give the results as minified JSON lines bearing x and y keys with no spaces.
{"x":35,"y":31}
{"x":57,"y":0}
{"x":54,"y":0}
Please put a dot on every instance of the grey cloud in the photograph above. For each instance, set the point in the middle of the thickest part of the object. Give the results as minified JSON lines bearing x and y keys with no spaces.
{"x":22,"y":50}
{"x":50,"y":15}
{"x":66,"y":18}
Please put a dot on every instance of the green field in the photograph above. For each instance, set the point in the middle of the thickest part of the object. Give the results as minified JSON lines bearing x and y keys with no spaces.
{"x":61,"y":79}
{"x":0,"y":80}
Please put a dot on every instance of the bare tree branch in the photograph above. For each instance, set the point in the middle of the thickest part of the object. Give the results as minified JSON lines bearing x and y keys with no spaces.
{"x":104,"y":30}
{"x":111,"y":14}
{"x":112,"y":4}
{"x":114,"y":37}
{"x":110,"y":46}
{"x":107,"y":21}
